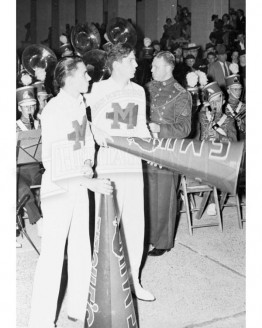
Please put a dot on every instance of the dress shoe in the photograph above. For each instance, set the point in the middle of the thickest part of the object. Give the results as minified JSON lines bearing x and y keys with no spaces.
{"x":142,"y":294}
{"x":157,"y":252}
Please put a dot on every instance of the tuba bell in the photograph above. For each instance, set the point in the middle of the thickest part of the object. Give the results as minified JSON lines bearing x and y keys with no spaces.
{"x":85,"y":37}
{"x":37,"y":57}
{"x":120,"y":30}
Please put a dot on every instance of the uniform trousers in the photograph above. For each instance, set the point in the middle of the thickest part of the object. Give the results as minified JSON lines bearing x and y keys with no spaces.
{"x":162,"y":205}
{"x":66,"y":216}
{"x":129,"y":203}
{"x":28,"y":175}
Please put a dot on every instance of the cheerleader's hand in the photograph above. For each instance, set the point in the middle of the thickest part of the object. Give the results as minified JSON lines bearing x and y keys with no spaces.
{"x":101,"y":186}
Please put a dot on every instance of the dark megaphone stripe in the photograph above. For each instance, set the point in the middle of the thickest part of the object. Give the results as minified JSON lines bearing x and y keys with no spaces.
{"x":209,"y":162}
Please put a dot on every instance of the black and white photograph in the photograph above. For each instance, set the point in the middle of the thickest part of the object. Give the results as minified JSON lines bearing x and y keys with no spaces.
{"x":129,"y":178}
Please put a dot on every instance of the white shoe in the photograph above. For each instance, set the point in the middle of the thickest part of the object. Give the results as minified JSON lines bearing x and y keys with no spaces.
{"x":39,"y":226}
{"x":211,"y":209}
{"x":141,"y":293}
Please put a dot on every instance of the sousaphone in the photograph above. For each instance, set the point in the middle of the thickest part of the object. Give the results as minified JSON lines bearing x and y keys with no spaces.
{"x":38,"y":56}
{"x":120,"y":30}
{"x":85,"y":37}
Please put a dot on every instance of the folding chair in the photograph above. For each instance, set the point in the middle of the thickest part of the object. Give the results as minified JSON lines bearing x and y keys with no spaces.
{"x":224,"y":202}
{"x":19,"y":222}
{"x":189,"y":188}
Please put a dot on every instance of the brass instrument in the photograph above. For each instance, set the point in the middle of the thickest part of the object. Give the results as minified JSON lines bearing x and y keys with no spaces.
{"x":85,"y":37}
{"x":38,"y":56}
{"x":120,"y":30}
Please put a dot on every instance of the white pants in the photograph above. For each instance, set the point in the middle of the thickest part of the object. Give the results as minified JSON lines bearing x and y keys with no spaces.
{"x":65,"y":215}
{"x":129,"y":202}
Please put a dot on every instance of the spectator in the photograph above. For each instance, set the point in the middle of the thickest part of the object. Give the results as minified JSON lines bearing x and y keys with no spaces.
{"x":240,"y":42}
{"x":242,"y":72}
{"x":235,"y":57}
{"x":219,"y":69}
{"x":241,"y":21}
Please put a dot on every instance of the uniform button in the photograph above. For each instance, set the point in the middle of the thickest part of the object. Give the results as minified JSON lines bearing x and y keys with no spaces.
{"x":160,"y":118}
{"x":164,"y":83}
{"x":164,"y":107}
{"x":162,"y":112}
{"x":170,"y":96}
{"x":159,"y":89}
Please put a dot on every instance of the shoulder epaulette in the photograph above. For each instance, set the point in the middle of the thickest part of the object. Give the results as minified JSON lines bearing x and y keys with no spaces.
{"x":179,"y":87}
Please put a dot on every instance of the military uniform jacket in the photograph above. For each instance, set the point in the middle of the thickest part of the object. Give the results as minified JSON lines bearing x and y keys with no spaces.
{"x":170,"y":107}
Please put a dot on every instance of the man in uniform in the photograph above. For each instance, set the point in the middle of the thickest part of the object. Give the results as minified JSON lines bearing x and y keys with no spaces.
{"x":170,"y":117}
{"x":31,"y":173}
{"x":214,"y":124}
{"x":236,"y":108}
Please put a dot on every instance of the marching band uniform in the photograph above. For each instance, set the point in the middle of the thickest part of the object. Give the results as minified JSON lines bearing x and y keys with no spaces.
{"x":122,"y":112}
{"x":221,"y":123}
{"x":28,"y":174}
{"x":65,"y":206}
{"x":236,"y":108}
{"x":170,"y":107}
{"x":215,"y":125}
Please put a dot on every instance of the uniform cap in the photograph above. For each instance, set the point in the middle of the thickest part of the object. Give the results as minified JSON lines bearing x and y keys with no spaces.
{"x":233,"y":80}
{"x":211,"y":90}
{"x":25,"y":95}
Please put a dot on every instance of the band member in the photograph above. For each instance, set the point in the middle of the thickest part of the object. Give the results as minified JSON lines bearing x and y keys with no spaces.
{"x":214,"y":124}
{"x":236,"y":108}
{"x":170,"y":117}
{"x":29,"y":174}
{"x":27,"y":107}
{"x":118,"y":107}
{"x":42,"y":96}
{"x":65,"y":203}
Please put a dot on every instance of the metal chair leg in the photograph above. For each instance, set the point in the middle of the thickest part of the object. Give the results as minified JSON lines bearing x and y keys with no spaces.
{"x":20,"y":225}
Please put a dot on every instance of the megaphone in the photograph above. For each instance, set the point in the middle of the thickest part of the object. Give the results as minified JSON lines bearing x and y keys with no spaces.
{"x":209,"y":162}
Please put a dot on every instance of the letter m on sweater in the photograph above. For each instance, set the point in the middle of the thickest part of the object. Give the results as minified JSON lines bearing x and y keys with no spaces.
{"x":127,"y":115}
{"x":79,"y":133}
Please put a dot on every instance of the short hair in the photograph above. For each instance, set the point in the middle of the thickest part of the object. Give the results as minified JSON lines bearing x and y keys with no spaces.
{"x":64,"y":68}
{"x":241,"y":11}
{"x":168,"y":57}
{"x":117,"y":52}
{"x":211,"y":53}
